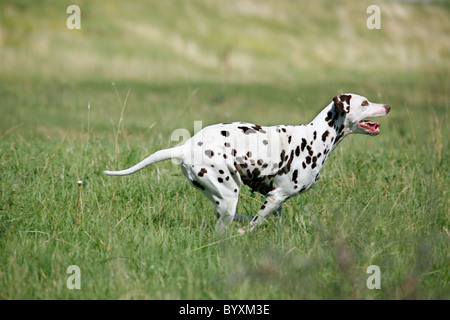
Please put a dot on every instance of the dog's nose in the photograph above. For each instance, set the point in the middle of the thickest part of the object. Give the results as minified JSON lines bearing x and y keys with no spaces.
{"x":388,"y":108}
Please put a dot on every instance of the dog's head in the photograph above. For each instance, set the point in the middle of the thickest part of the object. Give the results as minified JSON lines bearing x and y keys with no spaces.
{"x":357,"y":110}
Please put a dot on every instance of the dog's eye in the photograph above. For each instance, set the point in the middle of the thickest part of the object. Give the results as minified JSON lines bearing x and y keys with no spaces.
{"x":365,"y":103}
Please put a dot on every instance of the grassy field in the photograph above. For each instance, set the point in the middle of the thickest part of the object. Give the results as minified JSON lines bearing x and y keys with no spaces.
{"x":77,"y":102}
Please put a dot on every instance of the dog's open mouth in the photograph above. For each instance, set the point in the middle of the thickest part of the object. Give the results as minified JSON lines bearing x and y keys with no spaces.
{"x":370,"y":127}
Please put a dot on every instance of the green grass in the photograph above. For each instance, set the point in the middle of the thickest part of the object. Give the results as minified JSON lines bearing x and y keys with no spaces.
{"x":380,"y":201}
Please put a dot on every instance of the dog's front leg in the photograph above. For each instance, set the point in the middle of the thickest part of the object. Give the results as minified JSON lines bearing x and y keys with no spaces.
{"x":274,"y":201}
{"x":277,"y":214}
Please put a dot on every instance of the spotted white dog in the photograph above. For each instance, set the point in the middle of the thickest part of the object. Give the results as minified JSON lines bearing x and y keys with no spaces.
{"x":279,"y":162}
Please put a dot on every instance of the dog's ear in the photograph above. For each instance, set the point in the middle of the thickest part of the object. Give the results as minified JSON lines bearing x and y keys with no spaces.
{"x":342,"y":102}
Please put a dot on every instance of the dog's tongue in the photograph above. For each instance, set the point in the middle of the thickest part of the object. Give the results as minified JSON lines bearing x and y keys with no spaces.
{"x":374,"y":125}
{"x":371,"y":126}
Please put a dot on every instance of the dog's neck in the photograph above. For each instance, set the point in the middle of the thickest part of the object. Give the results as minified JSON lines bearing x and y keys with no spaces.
{"x":329,"y":129}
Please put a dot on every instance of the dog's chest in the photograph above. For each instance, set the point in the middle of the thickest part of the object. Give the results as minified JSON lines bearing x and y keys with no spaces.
{"x":293,"y":171}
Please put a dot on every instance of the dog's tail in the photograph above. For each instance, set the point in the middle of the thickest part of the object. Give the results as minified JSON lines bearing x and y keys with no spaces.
{"x":172,"y":153}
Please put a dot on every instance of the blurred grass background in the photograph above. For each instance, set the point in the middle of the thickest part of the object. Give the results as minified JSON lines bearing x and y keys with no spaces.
{"x":207,"y":49}
{"x":165,"y":64}
{"x":244,"y":40}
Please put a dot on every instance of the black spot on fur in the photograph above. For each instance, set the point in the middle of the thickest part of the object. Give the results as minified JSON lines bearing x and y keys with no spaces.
{"x":198,"y":185}
{"x":283,"y":170}
{"x":303,"y":144}
{"x":227,"y":144}
{"x":282,"y":155}
{"x":202,"y":172}
{"x":289,"y":139}
{"x":259,"y":128}
{"x":220,"y":180}
{"x":325,"y":135}
{"x":247,"y":130}
{"x":209,"y":153}
{"x":294,"y":176}
{"x":297,"y":151}
{"x":265,"y":142}
{"x":335,"y":116}
{"x":287,"y":167}
{"x":200,"y":144}
{"x":225,"y":133}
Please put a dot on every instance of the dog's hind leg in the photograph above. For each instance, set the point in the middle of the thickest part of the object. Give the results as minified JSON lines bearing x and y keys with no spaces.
{"x":220,"y":185}
{"x":225,"y":211}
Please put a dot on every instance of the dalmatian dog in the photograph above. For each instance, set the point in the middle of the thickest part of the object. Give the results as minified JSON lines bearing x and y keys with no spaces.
{"x":278,"y":161}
